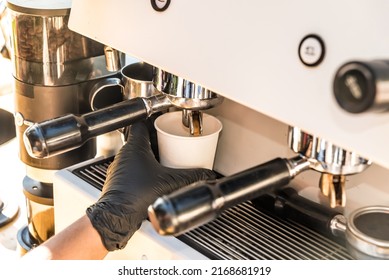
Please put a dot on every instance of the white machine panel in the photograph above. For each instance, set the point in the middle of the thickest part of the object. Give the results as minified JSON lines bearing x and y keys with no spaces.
{"x":248,"y":51}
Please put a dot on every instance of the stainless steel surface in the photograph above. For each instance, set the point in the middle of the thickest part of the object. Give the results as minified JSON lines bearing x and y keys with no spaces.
{"x":137,"y":80}
{"x":366,"y":238}
{"x":157,"y":103}
{"x":53,"y":69}
{"x":42,"y":7}
{"x":5,"y":27}
{"x":297,"y":165}
{"x":244,"y":232}
{"x":333,"y":187}
{"x":106,"y":92}
{"x":66,"y":133}
{"x":325,"y":156}
{"x":330,"y":160}
{"x":35,"y":103}
{"x":113,"y":59}
{"x":369,"y":238}
{"x":46,"y":52}
{"x":46,"y":139}
{"x":193,"y":120}
{"x":338,"y":225}
{"x":183,"y":93}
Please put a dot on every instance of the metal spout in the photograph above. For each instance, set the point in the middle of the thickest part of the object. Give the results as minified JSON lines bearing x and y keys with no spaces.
{"x":333,"y":187}
{"x":333,"y":162}
{"x":194,"y":121}
{"x":113,"y":59}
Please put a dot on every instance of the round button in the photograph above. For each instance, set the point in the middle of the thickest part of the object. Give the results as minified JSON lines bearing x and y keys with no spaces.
{"x":311,"y":50}
{"x":356,"y":85}
{"x":160,"y":5}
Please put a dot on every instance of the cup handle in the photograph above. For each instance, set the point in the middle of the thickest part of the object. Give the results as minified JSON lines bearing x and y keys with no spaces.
{"x":105,"y":93}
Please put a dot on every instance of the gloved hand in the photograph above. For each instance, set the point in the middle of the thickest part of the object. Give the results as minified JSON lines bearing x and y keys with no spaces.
{"x":135,"y":179}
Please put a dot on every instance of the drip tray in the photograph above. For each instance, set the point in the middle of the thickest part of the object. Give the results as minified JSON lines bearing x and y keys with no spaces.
{"x":244,"y":232}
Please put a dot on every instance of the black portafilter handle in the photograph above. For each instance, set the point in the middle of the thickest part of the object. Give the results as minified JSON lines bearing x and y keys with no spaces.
{"x":202,"y":202}
{"x":289,"y":205}
{"x":360,"y":86}
{"x":68,"y":132}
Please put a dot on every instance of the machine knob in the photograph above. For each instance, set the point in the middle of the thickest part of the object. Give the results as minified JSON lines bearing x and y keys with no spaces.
{"x":362,"y":86}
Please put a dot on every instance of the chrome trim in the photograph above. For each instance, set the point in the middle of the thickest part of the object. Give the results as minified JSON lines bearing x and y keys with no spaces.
{"x":369,"y":246}
{"x":324,"y":155}
{"x":338,"y":225}
{"x":297,"y":165}
{"x":183,"y":93}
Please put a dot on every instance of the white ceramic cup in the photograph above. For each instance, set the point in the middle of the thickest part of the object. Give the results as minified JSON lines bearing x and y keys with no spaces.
{"x":179,"y":149}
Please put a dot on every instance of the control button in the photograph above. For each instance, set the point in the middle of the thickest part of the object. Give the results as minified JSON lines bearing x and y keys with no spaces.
{"x":361,"y":86}
{"x":311,"y":50}
{"x":160,"y":5}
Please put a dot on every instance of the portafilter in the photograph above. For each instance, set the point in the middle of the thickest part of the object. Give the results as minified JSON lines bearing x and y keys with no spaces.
{"x":203,"y":201}
{"x":333,"y":163}
{"x":365,"y":232}
{"x":58,"y":135}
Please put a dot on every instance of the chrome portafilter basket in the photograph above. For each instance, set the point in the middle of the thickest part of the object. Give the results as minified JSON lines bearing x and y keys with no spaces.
{"x":188,"y":96}
{"x":183,"y":93}
{"x":365,"y":231}
{"x":68,"y":132}
{"x":203,"y":201}
{"x":333,"y":162}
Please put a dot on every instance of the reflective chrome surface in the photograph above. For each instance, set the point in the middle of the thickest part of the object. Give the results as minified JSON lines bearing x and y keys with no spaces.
{"x":106,"y":92}
{"x":183,"y":93}
{"x":324,"y":156}
{"x":193,"y":120}
{"x":113,"y":59}
{"x":338,"y":225}
{"x":46,"y":52}
{"x":137,"y":80}
{"x":333,"y":187}
{"x":5,"y":31}
{"x":369,"y":237}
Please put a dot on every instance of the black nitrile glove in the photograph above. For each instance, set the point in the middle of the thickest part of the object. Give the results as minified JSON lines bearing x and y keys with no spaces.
{"x":135,"y":179}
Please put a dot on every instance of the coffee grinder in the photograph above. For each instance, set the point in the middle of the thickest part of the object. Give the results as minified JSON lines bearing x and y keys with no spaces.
{"x":54,"y":70}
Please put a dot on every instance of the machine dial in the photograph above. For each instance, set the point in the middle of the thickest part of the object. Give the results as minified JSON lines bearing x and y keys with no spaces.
{"x":362,"y":86}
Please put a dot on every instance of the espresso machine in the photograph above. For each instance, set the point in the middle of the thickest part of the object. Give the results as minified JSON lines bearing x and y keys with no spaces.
{"x":288,"y":77}
{"x":54,"y":70}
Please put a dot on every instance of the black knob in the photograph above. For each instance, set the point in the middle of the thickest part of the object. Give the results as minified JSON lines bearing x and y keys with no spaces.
{"x":362,"y":86}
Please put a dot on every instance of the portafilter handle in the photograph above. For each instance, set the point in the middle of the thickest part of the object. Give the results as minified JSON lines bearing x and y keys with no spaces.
{"x":201,"y":202}
{"x":364,"y":232}
{"x":288,"y":204}
{"x":68,"y":132}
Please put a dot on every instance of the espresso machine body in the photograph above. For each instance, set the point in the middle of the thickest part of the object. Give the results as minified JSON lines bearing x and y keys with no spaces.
{"x":275,"y":65}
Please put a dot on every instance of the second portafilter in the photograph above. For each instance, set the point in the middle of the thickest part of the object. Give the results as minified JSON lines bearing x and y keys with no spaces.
{"x":203,"y":201}
{"x":333,"y":163}
{"x":68,"y":132}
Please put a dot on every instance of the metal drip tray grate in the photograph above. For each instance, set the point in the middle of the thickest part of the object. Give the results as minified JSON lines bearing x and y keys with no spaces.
{"x":244,"y":232}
